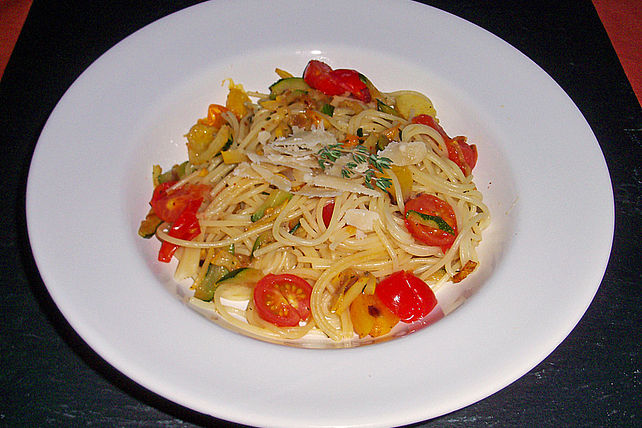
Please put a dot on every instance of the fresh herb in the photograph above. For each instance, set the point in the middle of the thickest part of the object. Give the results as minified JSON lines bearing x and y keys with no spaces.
{"x":295,"y":228}
{"x":327,"y":109}
{"x":228,"y":144}
{"x":433,"y":221}
{"x":329,"y":155}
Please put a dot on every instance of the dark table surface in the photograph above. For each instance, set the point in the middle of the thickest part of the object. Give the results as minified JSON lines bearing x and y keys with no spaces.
{"x":49,"y":376}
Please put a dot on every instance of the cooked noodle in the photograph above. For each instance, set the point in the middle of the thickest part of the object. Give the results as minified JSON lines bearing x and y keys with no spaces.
{"x":380,"y":244}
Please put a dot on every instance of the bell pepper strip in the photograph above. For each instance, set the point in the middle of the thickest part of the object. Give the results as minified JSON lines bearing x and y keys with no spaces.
{"x":321,"y":76}
{"x":407,"y":296}
{"x":459,"y":151}
{"x":185,"y":227}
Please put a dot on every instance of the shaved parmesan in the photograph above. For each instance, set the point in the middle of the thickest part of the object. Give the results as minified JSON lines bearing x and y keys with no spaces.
{"x":263,"y":137}
{"x":303,"y":142}
{"x":244,"y":170}
{"x":337,"y":183}
{"x":274,"y":179}
{"x":317,"y":192}
{"x":361,"y":219}
{"x":404,"y":153}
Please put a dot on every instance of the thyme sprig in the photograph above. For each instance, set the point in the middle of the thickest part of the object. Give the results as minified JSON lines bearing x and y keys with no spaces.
{"x":329,"y":155}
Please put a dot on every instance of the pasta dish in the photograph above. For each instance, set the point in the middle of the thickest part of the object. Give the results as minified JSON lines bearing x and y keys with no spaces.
{"x":320,"y":207}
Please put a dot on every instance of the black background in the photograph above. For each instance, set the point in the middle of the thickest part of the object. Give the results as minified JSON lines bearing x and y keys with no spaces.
{"x":49,"y":376}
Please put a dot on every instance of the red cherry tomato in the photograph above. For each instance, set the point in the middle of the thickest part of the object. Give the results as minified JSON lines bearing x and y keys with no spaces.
{"x":407,"y":296}
{"x":328,"y":209}
{"x":185,"y":227}
{"x":320,"y":75}
{"x":169,"y":203}
{"x":317,"y":75}
{"x":350,"y":81}
{"x":460,"y":152}
{"x":432,"y":233}
{"x":283,"y":300}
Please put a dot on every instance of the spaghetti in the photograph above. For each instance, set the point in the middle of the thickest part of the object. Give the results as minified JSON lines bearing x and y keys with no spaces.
{"x":328,"y":180}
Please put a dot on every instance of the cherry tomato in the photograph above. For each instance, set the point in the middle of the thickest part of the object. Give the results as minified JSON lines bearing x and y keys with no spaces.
{"x":328,"y":209}
{"x":168,"y":203}
{"x":350,"y":81}
{"x":320,"y":75}
{"x":214,"y":116}
{"x":370,"y":316}
{"x":460,"y":152}
{"x":407,"y":296}
{"x":283,"y":300}
{"x":317,"y":75}
{"x":432,"y":233}
{"x":185,"y":227}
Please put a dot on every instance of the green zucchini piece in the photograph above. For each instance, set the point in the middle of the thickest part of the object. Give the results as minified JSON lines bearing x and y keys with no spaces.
{"x":176,"y":173}
{"x":258,"y":243}
{"x":288,"y":83}
{"x":385,"y":108}
{"x":433,"y":221}
{"x":327,"y":109}
{"x":276,"y":198}
{"x":205,"y":290}
{"x":374,"y":92}
{"x":242,"y":276}
{"x":295,"y":228}
{"x":148,"y":226}
{"x":382,"y":142}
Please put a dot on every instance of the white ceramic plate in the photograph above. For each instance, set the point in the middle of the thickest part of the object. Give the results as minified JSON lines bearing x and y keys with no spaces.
{"x":543,"y":257}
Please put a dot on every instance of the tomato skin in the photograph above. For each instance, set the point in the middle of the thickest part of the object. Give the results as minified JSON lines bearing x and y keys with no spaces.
{"x":185,"y":227}
{"x":328,"y":209}
{"x":459,"y":151}
{"x":431,"y":205}
{"x":320,"y":75}
{"x":350,"y":81}
{"x":317,"y":75}
{"x":371,"y":317}
{"x":169,"y":203}
{"x":283,"y":300}
{"x":407,"y":296}
{"x":214,"y":116}
{"x":179,"y":207}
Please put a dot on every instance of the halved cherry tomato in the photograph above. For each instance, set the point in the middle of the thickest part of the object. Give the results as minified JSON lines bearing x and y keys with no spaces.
{"x":350,"y":81}
{"x":328,"y":209}
{"x":185,"y":227}
{"x":168,"y":203}
{"x":407,"y":296}
{"x":214,"y":116}
{"x":460,"y":152}
{"x":370,"y":316}
{"x":320,"y":75}
{"x":431,"y":234}
{"x":317,"y":75}
{"x":283,"y":300}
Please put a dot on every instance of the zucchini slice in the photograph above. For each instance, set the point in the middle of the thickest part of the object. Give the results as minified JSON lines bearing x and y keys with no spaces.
{"x":276,"y":198}
{"x":291,"y":83}
{"x":433,"y":221}
{"x":242,"y":276}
